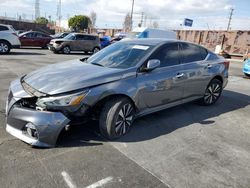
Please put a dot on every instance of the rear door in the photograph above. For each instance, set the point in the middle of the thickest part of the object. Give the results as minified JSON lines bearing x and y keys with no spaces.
{"x":194,"y":69}
{"x":164,"y":84}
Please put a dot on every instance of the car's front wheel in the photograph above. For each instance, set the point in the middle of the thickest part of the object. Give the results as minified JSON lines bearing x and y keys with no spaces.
{"x":95,"y":50}
{"x":212,"y":93}
{"x":116,"y":118}
{"x":66,"y":50}
{"x":4,"y":47}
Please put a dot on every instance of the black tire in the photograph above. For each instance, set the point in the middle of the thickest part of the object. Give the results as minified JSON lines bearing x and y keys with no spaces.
{"x":247,"y":75}
{"x":112,"y":124}
{"x":4,"y":47}
{"x":212,"y":93}
{"x":66,"y":50}
{"x":95,"y":50}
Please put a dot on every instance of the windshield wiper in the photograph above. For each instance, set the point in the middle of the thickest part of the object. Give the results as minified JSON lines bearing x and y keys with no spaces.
{"x":97,"y":64}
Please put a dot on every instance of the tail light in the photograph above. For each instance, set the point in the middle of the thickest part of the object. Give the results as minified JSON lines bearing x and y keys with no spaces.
{"x":226,"y":63}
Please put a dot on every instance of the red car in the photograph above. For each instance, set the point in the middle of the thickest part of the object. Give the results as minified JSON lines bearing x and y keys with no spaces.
{"x":34,"y":38}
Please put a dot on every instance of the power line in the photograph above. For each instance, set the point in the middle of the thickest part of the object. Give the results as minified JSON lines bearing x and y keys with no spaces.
{"x":230,"y":19}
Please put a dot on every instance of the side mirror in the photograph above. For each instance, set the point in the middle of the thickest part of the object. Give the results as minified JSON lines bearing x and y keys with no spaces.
{"x":152,"y":64}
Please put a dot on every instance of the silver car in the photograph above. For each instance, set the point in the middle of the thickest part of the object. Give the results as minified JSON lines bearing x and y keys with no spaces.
{"x":120,"y":83}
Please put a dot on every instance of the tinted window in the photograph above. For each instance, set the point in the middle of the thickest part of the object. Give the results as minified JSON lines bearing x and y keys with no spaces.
{"x":191,"y":53}
{"x":168,"y":55}
{"x":3,"y":28}
{"x":203,"y":53}
{"x":80,"y":37}
{"x":29,"y":35}
{"x":40,"y":35}
{"x":89,"y":37}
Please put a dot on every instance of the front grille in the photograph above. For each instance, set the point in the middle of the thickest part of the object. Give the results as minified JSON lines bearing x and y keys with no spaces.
{"x":28,"y":102}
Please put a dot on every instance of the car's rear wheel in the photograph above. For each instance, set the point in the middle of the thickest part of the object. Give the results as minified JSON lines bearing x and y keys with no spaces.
{"x":66,"y":50}
{"x":116,"y":118}
{"x":4,"y":47}
{"x":212,"y":93}
{"x":95,"y":50}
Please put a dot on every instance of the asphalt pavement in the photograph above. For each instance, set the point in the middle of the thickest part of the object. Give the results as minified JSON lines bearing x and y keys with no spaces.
{"x":185,"y":146}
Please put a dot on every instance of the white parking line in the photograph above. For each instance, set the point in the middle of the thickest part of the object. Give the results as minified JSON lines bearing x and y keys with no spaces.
{"x":100,"y":183}
{"x":68,"y":180}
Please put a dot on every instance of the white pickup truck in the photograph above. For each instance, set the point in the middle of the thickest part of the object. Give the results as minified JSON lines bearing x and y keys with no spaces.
{"x":8,"y":39}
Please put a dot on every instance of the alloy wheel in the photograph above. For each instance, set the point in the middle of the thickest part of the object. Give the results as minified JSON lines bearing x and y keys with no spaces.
{"x":96,"y":50}
{"x":212,"y":93}
{"x":124,"y":119}
{"x":3,"y":47}
{"x":66,"y":50}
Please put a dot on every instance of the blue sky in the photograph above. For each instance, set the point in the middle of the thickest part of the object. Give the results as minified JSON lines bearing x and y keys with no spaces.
{"x":212,"y":14}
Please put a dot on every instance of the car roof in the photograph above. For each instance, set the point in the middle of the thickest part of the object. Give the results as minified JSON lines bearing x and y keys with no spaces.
{"x":84,"y":34}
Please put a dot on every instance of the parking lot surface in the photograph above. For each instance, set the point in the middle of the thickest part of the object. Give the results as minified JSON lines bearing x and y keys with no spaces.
{"x":185,"y":146}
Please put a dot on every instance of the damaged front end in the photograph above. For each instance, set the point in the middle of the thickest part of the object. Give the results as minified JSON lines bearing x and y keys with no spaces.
{"x":37,"y":118}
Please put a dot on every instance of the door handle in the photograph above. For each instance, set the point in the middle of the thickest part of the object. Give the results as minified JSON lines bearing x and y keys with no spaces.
{"x":179,"y":75}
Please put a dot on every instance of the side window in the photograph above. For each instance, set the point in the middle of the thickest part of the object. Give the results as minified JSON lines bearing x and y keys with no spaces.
{"x":203,"y":52}
{"x":80,"y":37}
{"x":39,"y":35}
{"x":29,"y":35}
{"x":3,"y":28}
{"x":89,"y":37}
{"x":167,"y":54}
{"x":190,"y":53}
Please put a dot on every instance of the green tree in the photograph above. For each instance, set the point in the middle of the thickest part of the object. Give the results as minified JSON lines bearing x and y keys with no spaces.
{"x":41,"y":20}
{"x":79,"y":22}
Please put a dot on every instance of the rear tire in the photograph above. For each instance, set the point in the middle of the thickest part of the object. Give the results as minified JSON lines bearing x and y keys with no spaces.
{"x":66,"y":50}
{"x":212,"y":93}
{"x":4,"y":47}
{"x":116,"y":118}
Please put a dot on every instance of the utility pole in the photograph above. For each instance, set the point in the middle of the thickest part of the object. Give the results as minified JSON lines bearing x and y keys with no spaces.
{"x":142,"y":17}
{"x":59,"y":14}
{"x":230,"y":19}
{"x":37,"y":9}
{"x":131,"y":16}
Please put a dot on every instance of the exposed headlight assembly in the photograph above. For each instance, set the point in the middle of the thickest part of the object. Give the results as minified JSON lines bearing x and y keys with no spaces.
{"x":72,"y":101}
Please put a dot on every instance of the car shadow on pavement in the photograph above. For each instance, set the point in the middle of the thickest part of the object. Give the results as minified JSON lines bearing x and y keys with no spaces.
{"x":25,"y":53}
{"x":159,"y":123}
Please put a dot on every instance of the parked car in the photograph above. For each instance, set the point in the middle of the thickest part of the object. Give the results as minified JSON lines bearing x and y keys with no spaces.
{"x":75,"y":42}
{"x":105,"y":41}
{"x":34,"y":39}
{"x":122,"y":82}
{"x":60,"y":35}
{"x":8,"y":39}
{"x":246,"y":67}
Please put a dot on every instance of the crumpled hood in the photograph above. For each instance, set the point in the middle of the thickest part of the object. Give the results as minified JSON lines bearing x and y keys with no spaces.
{"x":70,"y":75}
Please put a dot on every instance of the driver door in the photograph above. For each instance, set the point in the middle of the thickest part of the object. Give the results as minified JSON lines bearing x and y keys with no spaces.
{"x":163,"y":85}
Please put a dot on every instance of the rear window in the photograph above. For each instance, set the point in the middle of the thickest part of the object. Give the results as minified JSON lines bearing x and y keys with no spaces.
{"x":3,"y":28}
{"x":191,"y":53}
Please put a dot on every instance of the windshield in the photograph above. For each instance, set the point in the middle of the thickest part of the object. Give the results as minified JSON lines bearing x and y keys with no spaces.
{"x":120,"y":55}
{"x":133,"y":35}
{"x":70,"y":36}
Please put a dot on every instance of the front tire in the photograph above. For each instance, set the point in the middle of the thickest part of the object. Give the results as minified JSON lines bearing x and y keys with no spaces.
{"x":4,"y":47}
{"x":95,"y":50}
{"x":212,"y":93}
{"x":116,"y":118}
{"x":66,"y":50}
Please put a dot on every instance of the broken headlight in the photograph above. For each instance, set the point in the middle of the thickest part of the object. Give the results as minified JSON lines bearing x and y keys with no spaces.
{"x":72,"y":101}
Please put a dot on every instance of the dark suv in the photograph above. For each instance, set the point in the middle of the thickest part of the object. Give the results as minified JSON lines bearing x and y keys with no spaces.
{"x":75,"y":42}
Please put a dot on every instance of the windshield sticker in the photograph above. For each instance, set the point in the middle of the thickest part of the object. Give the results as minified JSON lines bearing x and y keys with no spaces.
{"x":140,"y":47}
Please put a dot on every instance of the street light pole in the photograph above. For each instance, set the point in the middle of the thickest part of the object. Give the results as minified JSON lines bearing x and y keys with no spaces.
{"x":131,"y":16}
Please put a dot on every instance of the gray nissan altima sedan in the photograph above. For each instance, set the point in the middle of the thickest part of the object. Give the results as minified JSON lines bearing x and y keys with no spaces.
{"x":122,"y":82}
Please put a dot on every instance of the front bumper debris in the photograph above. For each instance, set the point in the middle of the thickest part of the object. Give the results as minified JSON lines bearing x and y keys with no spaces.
{"x":46,"y":125}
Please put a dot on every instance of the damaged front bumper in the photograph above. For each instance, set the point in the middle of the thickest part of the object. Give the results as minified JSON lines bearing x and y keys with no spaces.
{"x":37,"y":128}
